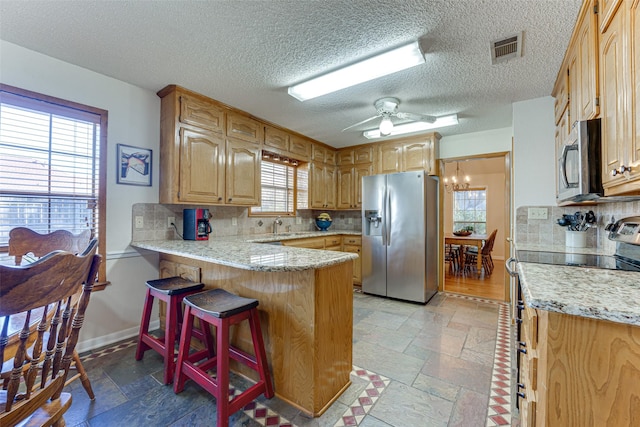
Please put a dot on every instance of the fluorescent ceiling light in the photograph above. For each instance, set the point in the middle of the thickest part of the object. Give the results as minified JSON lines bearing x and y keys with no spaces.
{"x":443,"y":121}
{"x":386,"y":63}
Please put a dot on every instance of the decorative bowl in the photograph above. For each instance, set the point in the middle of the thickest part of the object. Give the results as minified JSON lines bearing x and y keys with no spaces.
{"x":323,"y":224}
{"x":462,"y":233}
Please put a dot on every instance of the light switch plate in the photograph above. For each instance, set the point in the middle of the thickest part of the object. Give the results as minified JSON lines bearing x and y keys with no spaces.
{"x":234,"y":221}
{"x":139,"y":222}
{"x":350,"y":221}
{"x":298,"y":220}
{"x":538,"y":213}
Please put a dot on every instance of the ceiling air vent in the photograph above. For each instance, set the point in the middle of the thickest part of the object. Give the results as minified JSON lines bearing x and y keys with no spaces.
{"x":507,"y":48}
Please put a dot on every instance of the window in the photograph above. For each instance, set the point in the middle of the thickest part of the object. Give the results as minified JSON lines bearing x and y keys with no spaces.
{"x":470,"y":210}
{"x":52,"y":166}
{"x":284,"y":187}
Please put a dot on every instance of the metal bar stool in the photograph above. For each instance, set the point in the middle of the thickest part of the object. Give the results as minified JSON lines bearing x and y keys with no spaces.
{"x":172,"y":291}
{"x":222,"y":309}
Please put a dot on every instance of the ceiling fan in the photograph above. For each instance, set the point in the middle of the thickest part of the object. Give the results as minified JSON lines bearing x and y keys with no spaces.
{"x":387,"y":108}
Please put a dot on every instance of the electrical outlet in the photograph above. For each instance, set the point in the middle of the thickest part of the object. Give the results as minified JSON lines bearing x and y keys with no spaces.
{"x":170,"y":221}
{"x":139,"y":222}
{"x":538,"y":213}
{"x":298,"y":220}
{"x":350,"y":221}
{"x":234,"y":221}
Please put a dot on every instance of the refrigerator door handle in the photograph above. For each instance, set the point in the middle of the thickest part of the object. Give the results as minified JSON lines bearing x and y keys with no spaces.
{"x":388,"y":217}
{"x":384,"y":217}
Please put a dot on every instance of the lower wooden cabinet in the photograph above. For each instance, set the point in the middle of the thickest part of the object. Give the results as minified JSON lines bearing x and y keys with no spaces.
{"x":577,"y":371}
{"x":346,"y":243}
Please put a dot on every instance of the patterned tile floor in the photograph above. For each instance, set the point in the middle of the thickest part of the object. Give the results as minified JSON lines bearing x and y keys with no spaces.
{"x":443,"y":364}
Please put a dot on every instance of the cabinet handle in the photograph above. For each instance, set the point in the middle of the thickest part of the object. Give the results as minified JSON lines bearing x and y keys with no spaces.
{"x":521,"y":394}
{"x":230,"y":199}
{"x":621,"y":170}
{"x":518,"y":320}
{"x":522,"y":344}
{"x":520,"y":385}
{"x":522,"y":350}
{"x":219,"y":199}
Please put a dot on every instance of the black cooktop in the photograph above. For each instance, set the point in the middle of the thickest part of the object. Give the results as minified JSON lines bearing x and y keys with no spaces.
{"x":579,"y":260}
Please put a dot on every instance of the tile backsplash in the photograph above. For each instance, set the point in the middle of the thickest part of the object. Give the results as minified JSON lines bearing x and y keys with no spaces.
{"x":231,"y":221}
{"x":548,"y":232}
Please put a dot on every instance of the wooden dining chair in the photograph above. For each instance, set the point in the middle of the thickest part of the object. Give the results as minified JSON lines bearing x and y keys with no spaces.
{"x":470,"y":257}
{"x":24,"y":241}
{"x":59,"y":287}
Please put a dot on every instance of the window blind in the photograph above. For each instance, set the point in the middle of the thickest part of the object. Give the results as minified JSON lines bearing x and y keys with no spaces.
{"x":278,"y":188}
{"x":50,"y":165}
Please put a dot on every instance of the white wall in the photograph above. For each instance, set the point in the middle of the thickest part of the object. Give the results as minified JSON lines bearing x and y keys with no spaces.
{"x":534,"y":153}
{"x":134,"y":119}
{"x":471,"y":144}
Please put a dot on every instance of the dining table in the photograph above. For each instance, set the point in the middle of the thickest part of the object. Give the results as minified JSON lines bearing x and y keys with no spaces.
{"x":472,"y":239}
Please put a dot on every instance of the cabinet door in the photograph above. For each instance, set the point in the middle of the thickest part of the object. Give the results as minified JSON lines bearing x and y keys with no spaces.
{"x":244,"y":128}
{"x":634,"y":96}
{"x":330,"y":156}
{"x":243,"y":173}
{"x":418,"y":156}
{"x":607,"y":9}
{"x":316,"y":185}
{"x":200,"y":113}
{"x":345,"y":188}
{"x":363,"y":155}
{"x":614,"y":129}
{"x":560,"y":93}
{"x":389,"y":158}
{"x":201,"y":167}
{"x":357,"y":263}
{"x":358,"y":172}
{"x":299,"y":148}
{"x":330,"y":175}
{"x":345,"y":157}
{"x":276,"y":139}
{"x":588,"y":62}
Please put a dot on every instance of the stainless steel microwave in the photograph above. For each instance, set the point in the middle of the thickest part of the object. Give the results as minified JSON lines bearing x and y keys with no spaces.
{"x":579,"y":164}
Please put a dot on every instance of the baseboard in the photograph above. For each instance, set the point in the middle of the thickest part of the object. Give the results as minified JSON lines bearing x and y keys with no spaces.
{"x":93,"y":343}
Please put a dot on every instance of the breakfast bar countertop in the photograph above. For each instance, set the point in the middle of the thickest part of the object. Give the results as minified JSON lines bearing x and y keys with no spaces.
{"x":251,"y":252}
{"x":582,"y":291}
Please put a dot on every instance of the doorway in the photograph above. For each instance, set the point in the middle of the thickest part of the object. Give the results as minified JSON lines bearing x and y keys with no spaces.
{"x":488,"y":176}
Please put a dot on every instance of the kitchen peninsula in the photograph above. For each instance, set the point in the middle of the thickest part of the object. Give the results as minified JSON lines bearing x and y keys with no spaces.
{"x":306,"y":308}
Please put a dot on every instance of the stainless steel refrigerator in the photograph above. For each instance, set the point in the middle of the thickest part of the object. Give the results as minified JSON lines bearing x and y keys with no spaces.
{"x":400,"y":236}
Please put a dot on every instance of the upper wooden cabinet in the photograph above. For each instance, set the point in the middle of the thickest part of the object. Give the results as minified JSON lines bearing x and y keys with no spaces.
{"x":320,"y":153}
{"x":322,"y":186}
{"x":620,"y":68}
{"x":561,"y":93}
{"x":410,"y":154}
{"x":200,"y":112}
{"x":355,"y":156}
{"x":198,"y":163}
{"x":283,"y":143}
{"x":245,"y":128}
{"x":350,"y":185}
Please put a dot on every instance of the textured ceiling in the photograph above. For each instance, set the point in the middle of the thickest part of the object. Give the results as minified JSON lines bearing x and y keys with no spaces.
{"x":246,"y":53}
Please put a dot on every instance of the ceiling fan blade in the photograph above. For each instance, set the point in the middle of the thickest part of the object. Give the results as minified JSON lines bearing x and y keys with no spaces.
{"x":361,"y":123}
{"x":415,"y":117}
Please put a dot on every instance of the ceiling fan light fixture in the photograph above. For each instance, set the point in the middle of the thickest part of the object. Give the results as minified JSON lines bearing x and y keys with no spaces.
{"x":389,"y":62}
{"x":386,"y":126}
{"x":451,"y":119}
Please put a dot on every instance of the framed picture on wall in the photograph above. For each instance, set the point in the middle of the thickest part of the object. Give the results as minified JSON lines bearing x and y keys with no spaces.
{"x":134,"y":165}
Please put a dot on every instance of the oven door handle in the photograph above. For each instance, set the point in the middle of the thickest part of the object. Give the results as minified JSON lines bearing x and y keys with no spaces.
{"x":511,"y":272}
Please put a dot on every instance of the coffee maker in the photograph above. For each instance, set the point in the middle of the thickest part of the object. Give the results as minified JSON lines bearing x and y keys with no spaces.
{"x":195,"y":224}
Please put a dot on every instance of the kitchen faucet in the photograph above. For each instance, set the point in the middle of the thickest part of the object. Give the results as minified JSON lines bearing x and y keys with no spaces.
{"x":276,"y":223}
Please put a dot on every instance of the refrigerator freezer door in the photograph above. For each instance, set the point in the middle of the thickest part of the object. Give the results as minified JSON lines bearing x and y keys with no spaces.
{"x":374,"y":254}
{"x":406,"y":255}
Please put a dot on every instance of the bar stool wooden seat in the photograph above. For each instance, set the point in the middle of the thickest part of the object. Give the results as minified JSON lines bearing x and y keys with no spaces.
{"x":171,"y":290}
{"x":222,"y":309}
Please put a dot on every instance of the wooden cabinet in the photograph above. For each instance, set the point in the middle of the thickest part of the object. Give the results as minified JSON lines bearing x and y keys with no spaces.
{"x":561,"y":93}
{"x":408,"y":154}
{"x":199,"y":162}
{"x":282,"y":142}
{"x":242,"y":173}
{"x":350,"y":185}
{"x":583,"y":66}
{"x":322,"y":186}
{"x":353,"y":244}
{"x":309,"y":243}
{"x":201,"y":167}
{"x":574,"y":370}
{"x":320,"y":153}
{"x":355,"y":156}
{"x":619,"y":62}
{"x":333,"y":243}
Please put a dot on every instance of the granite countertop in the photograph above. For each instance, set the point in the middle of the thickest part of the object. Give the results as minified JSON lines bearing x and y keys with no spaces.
{"x":582,"y":291}
{"x":251,"y":253}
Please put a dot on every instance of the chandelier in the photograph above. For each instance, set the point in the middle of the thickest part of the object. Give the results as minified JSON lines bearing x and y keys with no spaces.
{"x":455,"y":183}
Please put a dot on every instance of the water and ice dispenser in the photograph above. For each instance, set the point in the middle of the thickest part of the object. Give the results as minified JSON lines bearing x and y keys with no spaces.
{"x":372,"y":223}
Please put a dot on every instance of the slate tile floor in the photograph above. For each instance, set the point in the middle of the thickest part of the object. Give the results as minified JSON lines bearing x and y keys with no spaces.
{"x":438,"y":359}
